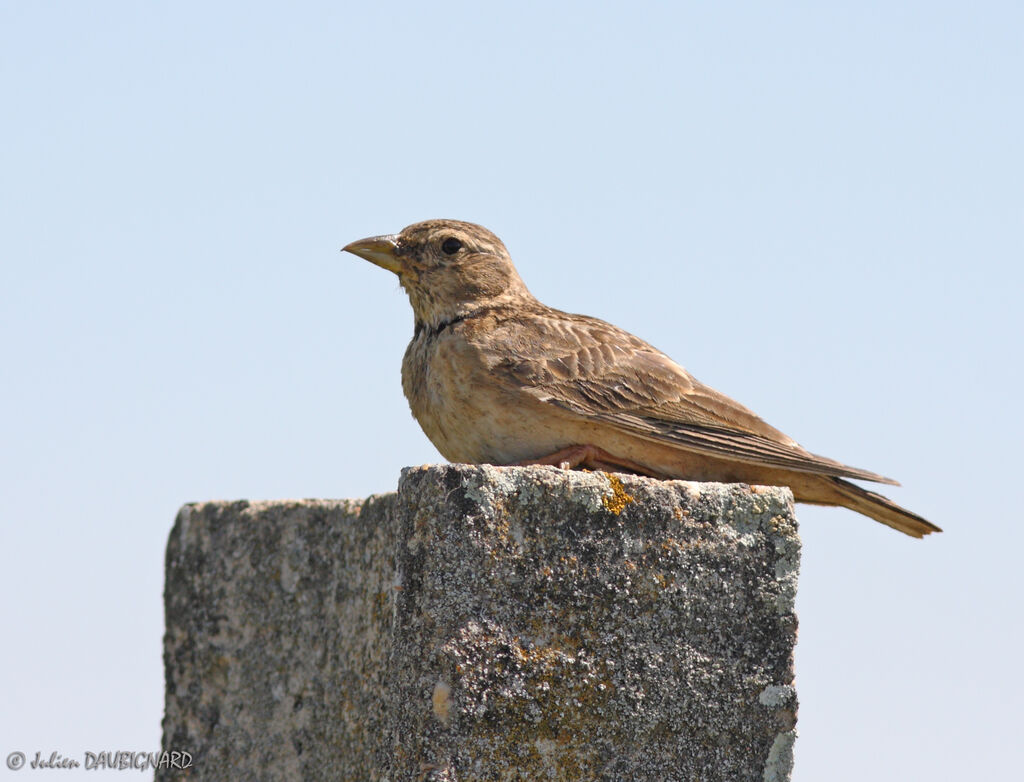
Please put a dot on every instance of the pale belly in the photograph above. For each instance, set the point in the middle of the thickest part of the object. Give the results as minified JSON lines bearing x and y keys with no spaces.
{"x":470,"y":416}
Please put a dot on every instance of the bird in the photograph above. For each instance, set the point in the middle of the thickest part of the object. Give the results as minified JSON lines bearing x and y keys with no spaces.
{"x":493,"y":376}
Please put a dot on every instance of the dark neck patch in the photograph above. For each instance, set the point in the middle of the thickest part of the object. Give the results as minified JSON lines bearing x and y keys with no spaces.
{"x":433,"y":331}
{"x":430,"y":332}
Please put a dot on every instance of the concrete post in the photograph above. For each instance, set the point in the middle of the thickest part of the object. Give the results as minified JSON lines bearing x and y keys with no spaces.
{"x":486,"y":623}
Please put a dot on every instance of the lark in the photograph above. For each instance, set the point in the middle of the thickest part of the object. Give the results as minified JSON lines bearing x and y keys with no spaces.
{"x":496,"y":377}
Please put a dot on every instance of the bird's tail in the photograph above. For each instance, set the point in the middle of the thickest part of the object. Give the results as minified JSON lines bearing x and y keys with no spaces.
{"x":849,"y":495}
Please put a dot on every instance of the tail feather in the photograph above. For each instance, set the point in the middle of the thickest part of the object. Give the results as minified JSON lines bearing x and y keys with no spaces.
{"x":880,"y":508}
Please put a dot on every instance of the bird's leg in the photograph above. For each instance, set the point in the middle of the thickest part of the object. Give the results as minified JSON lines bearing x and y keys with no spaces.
{"x":589,"y":457}
{"x":566,"y":459}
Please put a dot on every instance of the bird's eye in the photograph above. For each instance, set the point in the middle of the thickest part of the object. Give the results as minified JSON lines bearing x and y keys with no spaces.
{"x":451,"y":245}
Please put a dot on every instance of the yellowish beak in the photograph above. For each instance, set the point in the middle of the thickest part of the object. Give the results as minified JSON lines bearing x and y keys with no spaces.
{"x":377,"y":249}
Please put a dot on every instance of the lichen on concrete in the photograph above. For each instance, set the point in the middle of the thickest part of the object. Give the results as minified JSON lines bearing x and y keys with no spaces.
{"x":487,"y":623}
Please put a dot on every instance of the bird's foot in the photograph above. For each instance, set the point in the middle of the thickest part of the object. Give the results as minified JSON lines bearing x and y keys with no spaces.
{"x":588,"y":457}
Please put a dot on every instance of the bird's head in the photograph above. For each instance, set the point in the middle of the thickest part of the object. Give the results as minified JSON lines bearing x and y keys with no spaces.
{"x":449,"y":268}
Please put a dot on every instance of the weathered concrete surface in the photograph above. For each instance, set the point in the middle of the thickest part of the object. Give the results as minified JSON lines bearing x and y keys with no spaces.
{"x":487,"y":623}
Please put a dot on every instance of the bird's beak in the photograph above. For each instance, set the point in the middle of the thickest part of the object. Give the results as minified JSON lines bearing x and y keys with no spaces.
{"x":377,"y":249}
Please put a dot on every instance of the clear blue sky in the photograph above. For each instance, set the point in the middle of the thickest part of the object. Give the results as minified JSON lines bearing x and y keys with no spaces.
{"x":817,"y":209}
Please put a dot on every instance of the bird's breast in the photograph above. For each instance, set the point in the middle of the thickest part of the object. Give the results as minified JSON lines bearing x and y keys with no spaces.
{"x":468,"y":412}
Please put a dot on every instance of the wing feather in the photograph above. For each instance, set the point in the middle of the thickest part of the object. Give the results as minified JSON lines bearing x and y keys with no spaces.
{"x":603,"y":373}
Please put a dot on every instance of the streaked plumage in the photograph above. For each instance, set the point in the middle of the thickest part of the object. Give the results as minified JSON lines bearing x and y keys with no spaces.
{"x":494,"y":376}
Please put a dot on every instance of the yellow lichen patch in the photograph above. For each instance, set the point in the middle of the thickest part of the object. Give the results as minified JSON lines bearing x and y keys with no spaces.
{"x":617,"y":501}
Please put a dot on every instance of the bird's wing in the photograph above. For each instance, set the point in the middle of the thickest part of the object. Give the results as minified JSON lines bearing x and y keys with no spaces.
{"x":603,"y":373}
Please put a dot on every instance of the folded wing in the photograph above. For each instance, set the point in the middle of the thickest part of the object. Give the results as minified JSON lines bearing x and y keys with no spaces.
{"x":603,"y":373}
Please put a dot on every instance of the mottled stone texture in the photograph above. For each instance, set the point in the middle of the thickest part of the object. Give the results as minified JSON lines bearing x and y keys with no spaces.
{"x":487,"y":624}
